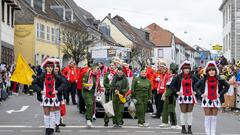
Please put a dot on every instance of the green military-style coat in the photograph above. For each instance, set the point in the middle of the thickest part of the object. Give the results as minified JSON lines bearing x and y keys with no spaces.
{"x":141,"y":88}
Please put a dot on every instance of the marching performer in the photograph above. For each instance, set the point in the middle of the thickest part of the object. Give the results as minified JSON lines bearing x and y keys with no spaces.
{"x":141,"y":94}
{"x":129,"y":74}
{"x":160,"y":81}
{"x":212,"y":90}
{"x":119,"y":87}
{"x":81,"y":103}
{"x":90,"y":83}
{"x":151,"y":70}
{"x":170,"y":101}
{"x":183,"y":86}
{"x":49,"y":87}
{"x":70,"y":73}
{"x":59,"y":110}
{"x":107,"y":82}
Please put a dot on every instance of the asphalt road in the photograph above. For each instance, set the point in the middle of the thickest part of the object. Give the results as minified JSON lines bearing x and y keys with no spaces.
{"x":30,"y":122}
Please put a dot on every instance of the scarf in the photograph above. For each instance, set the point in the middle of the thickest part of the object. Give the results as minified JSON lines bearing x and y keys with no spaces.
{"x":49,"y":85}
{"x":129,"y":73}
{"x":187,"y":85}
{"x":212,"y":88}
{"x":162,"y":83}
{"x":72,"y":74}
{"x":111,"y":75}
{"x":90,"y":80}
{"x":103,"y":71}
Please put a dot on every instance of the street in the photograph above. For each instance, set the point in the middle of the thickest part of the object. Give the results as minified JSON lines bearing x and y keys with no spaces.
{"x":30,"y":122}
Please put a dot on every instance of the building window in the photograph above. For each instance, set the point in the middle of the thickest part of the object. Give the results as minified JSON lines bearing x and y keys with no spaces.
{"x":160,"y":53}
{"x":229,"y":41}
{"x":229,"y":13}
{"x":12,"y":17}
{"x":58,"y":37}
{"x":8,"y":14}
{"x":223,"y":18}
{"x":226,"y":14}
{"x":53,"y":35}
{"x":42,"y":58}
{"x":7,"y":55}
{"x":40,"y":31}
{"x":224,"y":46}
{"x":3,"y":11}
{"x":48,"y":33}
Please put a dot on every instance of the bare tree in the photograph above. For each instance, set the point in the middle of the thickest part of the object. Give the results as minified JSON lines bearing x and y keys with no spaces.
{"x":139,"y":55}
{"x":76,"y":44}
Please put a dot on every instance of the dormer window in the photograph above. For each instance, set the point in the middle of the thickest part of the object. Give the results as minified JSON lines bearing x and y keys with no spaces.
{"x":69,"y":14}
{"x":40,"y":4}
{"x":30,"y":2}
{"x":60,"y":10}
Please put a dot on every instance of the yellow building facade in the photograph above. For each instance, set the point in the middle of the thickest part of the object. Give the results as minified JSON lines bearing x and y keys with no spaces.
{"x":38,"y":40}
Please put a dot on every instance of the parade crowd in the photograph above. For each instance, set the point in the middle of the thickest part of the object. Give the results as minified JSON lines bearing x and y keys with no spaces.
{"x":154,"y":88}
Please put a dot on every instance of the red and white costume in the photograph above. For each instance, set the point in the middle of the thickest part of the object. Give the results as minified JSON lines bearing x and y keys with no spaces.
{"x":211,"y":90}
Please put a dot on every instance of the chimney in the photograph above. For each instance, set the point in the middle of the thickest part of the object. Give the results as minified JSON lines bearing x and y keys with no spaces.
{"x":109,"y":15}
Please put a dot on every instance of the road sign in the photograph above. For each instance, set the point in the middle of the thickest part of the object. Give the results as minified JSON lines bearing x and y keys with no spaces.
{"x":217,"y":47}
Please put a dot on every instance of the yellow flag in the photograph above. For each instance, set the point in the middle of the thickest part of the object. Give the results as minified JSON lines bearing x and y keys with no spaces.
{"x":23,"y":73}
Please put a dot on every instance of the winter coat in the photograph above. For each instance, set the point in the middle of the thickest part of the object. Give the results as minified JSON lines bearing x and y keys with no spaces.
{"x":177,"y":82}
{"x":223,"y":87}
{"x":38,"y":85}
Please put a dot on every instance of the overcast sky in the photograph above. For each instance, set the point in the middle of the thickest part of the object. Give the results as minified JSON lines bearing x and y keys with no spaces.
{"x":197,"y":22}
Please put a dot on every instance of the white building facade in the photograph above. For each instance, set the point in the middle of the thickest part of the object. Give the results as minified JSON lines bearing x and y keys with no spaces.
{"x":168,"y":54}
{"x":231,"y":32}
{"x":8,"y":8}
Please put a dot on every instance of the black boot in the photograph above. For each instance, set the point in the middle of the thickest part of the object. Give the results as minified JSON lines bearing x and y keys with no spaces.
{"x":48,"y":131}
{"x":184,"y":131}
{"x":61,"y":123}
{"x":106,"y":124}
{"x":190,"y":130}
{"x":51,"y":131}
{"x":57,"y":129}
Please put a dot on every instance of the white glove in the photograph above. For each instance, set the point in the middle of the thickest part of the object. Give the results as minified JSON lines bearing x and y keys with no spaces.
{"x":134,"y":101}
{"x":158,"y":79}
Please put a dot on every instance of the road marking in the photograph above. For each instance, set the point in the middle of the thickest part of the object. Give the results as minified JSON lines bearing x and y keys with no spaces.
{"x":170,"y":132}
{"x":89,"y":131}
{"x":117,"y":131}
{"x":142,"y":131}
{"x":84,"y":127}
{"x":228,"y":134}
{"x":31,"y":131}
{"x":14,"y":126}
{"x":198,"y":133}
{"x":67,"y":131}
{"x":6,"y":130}
{"x":21,"y":110}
